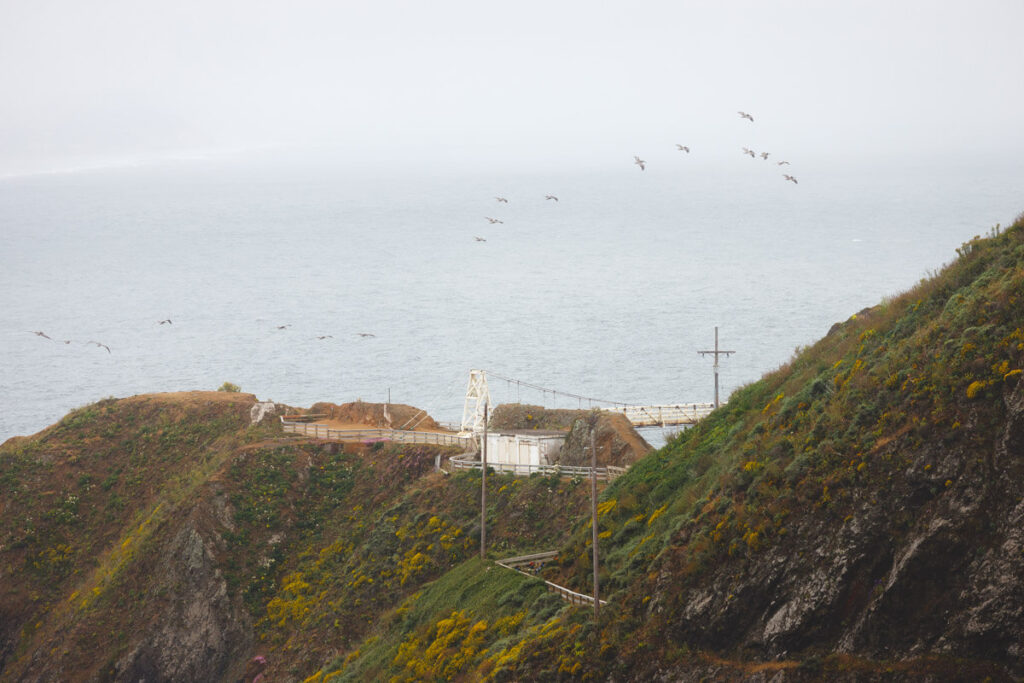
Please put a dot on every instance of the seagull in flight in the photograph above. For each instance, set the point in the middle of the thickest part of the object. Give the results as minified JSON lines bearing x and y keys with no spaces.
{"x":366,"y":334}
{"x":745,"y":115}
{"x":683,"y":148}
{"x":749,"y":152}
{"x":640,"y":162}
{"x":284,"y":327}
{"x":764,"y":155}
{"x":43,"y":334}
{"x":790,"y":178}
{"x":494,"y":220}
{"x":479,"y":239}
{"x":782,"y":163}
{"x":502,"y":199}
{"x":96,"y":343}
{"x":166,"y":322}
{"x":326,"y":336}
{"x":551,"y":196}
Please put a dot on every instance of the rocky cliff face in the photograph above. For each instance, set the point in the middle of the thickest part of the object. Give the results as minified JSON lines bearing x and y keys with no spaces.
{"x":616,"y":441}
{"x":200,"y":634}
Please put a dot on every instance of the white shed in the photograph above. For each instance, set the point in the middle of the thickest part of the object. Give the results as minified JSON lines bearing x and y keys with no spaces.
{"x":522,"y":451}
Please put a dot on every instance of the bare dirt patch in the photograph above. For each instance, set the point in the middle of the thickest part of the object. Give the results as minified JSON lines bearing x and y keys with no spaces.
{"x":360,"y":415}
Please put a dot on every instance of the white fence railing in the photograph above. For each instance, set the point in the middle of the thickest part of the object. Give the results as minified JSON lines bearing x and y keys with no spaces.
{"x":320,"y":431}
{"x":470,"y":461}
{"x":678,"y":414}
{"x":570,"y":596}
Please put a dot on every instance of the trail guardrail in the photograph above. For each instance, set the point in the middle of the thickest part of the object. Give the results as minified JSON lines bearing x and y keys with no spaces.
{"x":469,"y":461}
{"x":320,"y":431}
{"x":567,"y":594}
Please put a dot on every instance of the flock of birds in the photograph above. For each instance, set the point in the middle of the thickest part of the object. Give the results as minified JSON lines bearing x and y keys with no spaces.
{"x":71,"y":341}
{"x":746,"y":150}
{"x":168,"y":321}
{"x":491,"y":220}
{"x":643,"y":166}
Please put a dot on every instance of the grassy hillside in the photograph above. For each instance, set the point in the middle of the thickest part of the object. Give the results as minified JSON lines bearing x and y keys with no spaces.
{"x":856,"y":513}
{"x":162,"y":537}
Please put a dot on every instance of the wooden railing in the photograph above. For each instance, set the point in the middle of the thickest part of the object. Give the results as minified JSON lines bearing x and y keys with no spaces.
{"x":570,"y":596}
{"x":470,"y":461}
{"x":308,"y":417}
{"x":320,"y":431}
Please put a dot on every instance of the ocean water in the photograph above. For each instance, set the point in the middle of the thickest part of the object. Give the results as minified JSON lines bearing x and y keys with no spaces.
{"x":609,"y":292}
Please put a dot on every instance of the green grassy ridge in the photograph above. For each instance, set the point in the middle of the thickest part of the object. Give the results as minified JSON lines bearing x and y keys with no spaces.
{"x":838,"y":427}
{"x":495,"y":600}
{"x":315,"y":541}
{"x":83,"y":496}
{"x":897,"y":408}
{"x":328,"y":588}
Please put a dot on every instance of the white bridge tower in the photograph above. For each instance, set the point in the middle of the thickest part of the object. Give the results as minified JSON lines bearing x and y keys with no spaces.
{"x":477,"y":396}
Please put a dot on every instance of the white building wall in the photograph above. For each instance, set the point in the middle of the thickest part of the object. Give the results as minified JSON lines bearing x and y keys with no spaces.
{"x":519,"y":452}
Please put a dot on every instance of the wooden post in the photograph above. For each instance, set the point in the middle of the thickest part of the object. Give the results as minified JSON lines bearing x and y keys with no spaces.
{"x":483,"y":491}
{"x":593,"y":518}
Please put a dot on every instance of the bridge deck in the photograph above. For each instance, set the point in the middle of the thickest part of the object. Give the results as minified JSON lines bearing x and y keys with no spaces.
{"x":664,"y":415}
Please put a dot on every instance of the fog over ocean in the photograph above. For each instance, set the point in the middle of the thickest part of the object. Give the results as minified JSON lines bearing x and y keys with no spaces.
{"x":608,"y":292}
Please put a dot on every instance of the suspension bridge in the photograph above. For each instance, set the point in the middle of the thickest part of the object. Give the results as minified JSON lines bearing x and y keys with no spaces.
{"x":666,"y":415}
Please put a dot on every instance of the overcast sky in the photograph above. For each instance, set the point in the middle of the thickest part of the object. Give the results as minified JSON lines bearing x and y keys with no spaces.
{"x":464,"y":81}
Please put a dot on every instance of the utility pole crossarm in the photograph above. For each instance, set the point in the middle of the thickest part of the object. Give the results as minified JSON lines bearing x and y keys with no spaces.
{"x":716,"y":353}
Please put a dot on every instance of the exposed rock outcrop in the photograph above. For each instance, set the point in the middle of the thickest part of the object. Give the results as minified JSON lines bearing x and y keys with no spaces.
{"x":202,"y":633}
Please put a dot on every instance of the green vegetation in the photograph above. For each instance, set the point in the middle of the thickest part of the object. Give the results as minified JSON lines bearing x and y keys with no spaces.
{"x":889,"y":442}
{"x":230,"y":388}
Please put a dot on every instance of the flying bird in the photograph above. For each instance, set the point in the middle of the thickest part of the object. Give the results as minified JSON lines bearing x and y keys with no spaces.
{"x":166,"y":322}
{"x":790,"y":178}
{"x":782,"y":163}
{"x":749,"y":152}
{"x":284,"y":327}
{"x":96,"y":343}
{"x":683,"y":148}
{"x":326,"y":336}
{"x":479,"y":239}
{"x":502,"y":199}
{"x":43,"y":334}
{"x":494,"y":220}
{"x":764,"y":155}
{"x":551,"y":196}
{"x":745,"y":115}
{"x":640,"y":162}
{"x":366,"y":334}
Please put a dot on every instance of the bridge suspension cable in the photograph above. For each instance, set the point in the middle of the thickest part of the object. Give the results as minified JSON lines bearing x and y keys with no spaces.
{"x":554,"y":392}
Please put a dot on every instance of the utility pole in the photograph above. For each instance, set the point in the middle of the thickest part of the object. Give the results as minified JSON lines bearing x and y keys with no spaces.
{"x":483,"y":491}
{"x":716,"y":354}
{"x":593,"y":520}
